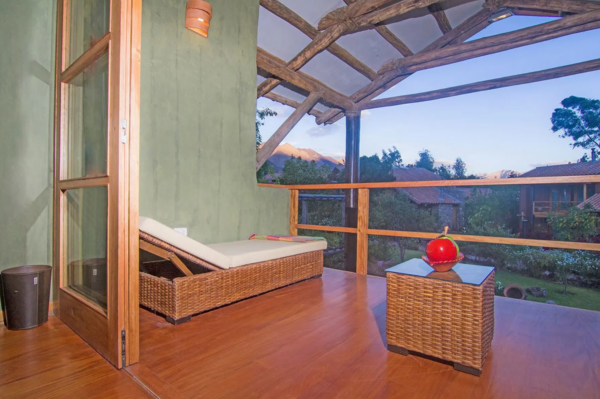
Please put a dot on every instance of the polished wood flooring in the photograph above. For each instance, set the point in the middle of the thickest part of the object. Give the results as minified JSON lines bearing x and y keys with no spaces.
{"x":325,"y":338}
{"x":51,"y":361}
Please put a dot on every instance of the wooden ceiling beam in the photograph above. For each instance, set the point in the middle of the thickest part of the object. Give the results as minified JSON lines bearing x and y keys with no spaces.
{"x":302,"y":25}
{"x":327,"y":37}
{"x":440,"y":17}
{"x":494,"y":44}
{"x":389,"y":36}
{"x":469,"y":27}
{"x":561,"y":6}
{"x":290,"y":103}
{"x":271,"y":64}
{"x":265,"y":151}
{"x":356,"y":9}
{"x":508,"y":81}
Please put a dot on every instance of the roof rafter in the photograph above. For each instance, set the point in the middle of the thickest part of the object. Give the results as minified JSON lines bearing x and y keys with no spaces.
{"x":271,"y":145}
{"x":275,"y":66}
{"x":494,"y":44}
{"x":560,"y":6}
{"x":392,"y":39}
{"x":302,"y":25}
{"x":386,"y":81}
{"x":356,"y":9}
{"x":547,"y":74}
{"x":440,"y":17}
{"x":290,"y":103}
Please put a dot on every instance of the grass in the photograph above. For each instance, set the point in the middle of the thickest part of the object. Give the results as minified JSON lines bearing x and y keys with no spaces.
{"x":582,"y":298}
{"x":410,"y":254}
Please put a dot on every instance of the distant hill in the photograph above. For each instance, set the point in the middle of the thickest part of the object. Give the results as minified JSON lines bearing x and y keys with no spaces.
{"x":501,"y":174}
{"x":286,"y":151}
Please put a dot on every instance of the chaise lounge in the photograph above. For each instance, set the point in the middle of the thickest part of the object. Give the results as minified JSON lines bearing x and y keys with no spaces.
{"x":191,"y":278}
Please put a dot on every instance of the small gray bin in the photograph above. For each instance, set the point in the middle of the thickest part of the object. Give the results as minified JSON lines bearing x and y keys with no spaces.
{"x":25,"y":293}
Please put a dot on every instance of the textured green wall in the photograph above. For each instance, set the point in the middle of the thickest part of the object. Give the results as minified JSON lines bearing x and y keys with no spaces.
{"x":26,"y":89}
{"x":197,"y":124}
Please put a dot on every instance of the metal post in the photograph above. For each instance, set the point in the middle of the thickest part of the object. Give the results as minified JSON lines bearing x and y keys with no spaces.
{"x":352,"y":171}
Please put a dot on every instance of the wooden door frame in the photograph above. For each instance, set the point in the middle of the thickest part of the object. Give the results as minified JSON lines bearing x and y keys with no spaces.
{"x":125,"y":119}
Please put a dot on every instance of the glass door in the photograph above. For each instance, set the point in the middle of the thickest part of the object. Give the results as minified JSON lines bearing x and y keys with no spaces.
{"x":96,"y":184}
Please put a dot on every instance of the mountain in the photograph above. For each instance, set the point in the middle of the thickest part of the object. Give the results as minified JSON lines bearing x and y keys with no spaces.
{"x":501,"y":174}
{"x":286,"y":151}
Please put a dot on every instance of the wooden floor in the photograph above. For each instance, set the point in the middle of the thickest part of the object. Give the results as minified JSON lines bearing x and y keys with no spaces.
{"x":51,"y":361}
{"x":325,"y":338}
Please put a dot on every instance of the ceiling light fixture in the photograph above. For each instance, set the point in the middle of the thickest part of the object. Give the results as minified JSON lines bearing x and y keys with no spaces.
{"x":198,"y":14}
{"x":501,"y":14}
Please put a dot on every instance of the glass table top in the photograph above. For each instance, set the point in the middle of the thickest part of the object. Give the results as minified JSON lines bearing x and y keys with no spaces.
{"x":461,"y":273}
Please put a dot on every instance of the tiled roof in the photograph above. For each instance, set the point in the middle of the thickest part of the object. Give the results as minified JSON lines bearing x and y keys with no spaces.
{"x":430,"y":196}
{"x":423,"y":195}
{"x":414,"y":174}
{"x":594,"y":201}
{"x":571,"y":169}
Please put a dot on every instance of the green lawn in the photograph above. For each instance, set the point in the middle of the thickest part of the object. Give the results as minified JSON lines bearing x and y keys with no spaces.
{"x":582,"y":298}
{"x":410,"y":254}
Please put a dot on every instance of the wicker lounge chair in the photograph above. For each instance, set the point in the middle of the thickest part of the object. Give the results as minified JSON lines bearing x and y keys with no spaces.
{"x":192,"y":278}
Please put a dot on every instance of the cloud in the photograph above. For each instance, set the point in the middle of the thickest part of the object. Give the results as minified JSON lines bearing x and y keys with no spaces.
{"x":321,"y":131}
{"x":365,"y":113}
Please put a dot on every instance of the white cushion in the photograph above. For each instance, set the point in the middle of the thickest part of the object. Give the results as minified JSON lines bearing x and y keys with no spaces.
{"x":253,"y":251}
{"x":186,"y":244}
{"x":229,"y":254}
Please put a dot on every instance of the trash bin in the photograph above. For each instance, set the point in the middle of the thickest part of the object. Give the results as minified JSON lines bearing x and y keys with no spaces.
{"x":25,"y":293}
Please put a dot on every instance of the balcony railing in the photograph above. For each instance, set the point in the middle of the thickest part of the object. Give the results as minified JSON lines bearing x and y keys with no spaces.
{"x":363,"y":231}
{"x":545,"y":207}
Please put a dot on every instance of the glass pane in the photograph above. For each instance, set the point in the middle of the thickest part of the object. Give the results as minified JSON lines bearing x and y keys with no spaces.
{"x":88,"y":22}
{"x":85,"y":242}
{"x":87,"y":121}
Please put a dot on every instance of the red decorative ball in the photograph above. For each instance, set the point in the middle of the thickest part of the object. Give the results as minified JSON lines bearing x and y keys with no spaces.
{"x":442,"y":250}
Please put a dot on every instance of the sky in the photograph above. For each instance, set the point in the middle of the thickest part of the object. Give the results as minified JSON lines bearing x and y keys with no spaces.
{"x":500,"y":129}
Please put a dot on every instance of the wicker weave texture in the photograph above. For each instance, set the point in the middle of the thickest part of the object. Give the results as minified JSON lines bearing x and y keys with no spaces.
{"x":446,"y":320}
{"x":187,"y":296}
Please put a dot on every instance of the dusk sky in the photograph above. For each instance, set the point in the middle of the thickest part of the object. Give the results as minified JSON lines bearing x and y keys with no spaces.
{"x":499,"y":129}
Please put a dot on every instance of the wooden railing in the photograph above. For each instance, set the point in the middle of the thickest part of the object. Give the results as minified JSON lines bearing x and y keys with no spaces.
{"x":363,"y":231}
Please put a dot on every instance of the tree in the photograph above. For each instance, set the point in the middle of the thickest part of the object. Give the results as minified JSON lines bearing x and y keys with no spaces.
{"x":393,"y":210}
{"x":578,"y":119}
{"x":392,"y":157}
{"x":444,"y":172}
{"x":267,"y":168}
{"x":460,"y":169}
{"x":298,"y":171}
{"x":261,"y":115}
{"x":372,"y":169}
{"x":577,"y":225}
{"x":425,"y":161}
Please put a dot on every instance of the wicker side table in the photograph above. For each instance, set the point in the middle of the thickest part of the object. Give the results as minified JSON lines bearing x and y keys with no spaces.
{"x":447,"y":315}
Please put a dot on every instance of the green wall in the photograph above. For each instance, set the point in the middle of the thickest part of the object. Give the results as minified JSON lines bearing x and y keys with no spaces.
{"x":26,"y":89}
{"x":197,"y":124}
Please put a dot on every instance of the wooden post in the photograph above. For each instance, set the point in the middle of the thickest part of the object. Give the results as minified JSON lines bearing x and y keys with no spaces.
{"x":585,"y":192}
{"x":304,"y":212}
{"x":352,"y":171}
{"x":293,"y":212}
{"x":362,"y":236}
{"x":267,"y":149}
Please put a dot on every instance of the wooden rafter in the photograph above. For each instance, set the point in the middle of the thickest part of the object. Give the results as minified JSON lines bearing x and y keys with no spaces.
{"x":548,"y":74}
{"x":440,"y":17}
{"x":560,"y":6}
{"x":494,"y":44}
{"x":302,"y":25}
{"x":356,"y":9}
{"x":389,"y":36}
{"x":333,"y":32}
{"x":267,"y":149}
{"x":386,"y":81}
{"x":271,"y":64}
{"x":290,"y":103}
